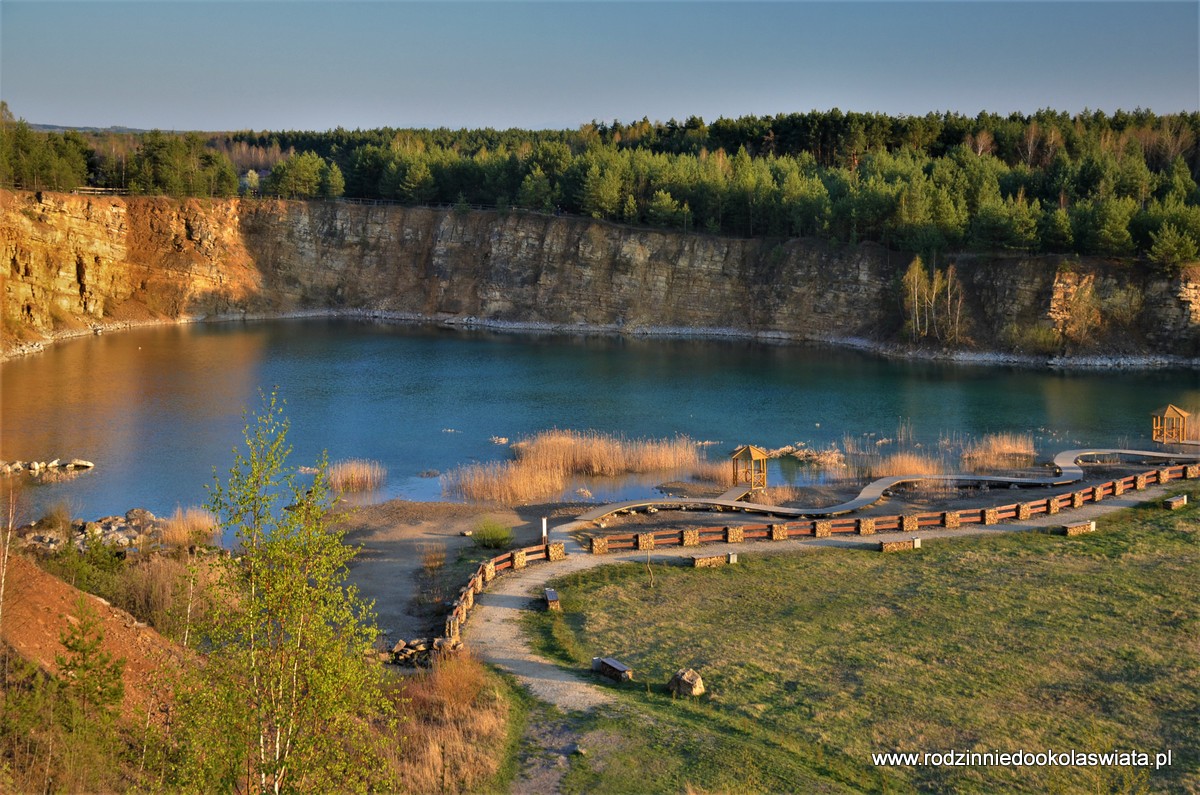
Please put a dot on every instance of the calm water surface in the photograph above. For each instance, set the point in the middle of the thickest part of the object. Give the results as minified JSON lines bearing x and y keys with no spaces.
{"x":158,"y":409}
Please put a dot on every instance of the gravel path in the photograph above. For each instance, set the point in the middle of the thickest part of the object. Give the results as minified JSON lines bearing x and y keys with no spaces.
{"x":493,"y":632}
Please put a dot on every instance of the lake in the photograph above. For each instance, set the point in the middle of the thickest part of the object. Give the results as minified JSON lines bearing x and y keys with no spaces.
{"x":157,"y":409}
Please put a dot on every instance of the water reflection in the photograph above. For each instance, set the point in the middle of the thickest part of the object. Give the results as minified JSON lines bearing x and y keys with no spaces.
{"x":157,"y":409}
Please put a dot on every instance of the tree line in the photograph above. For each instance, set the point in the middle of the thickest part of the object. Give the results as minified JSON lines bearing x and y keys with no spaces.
{"x":1117,"y":185}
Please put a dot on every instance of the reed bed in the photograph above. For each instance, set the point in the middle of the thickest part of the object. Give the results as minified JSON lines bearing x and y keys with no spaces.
{"x":546,"y":462}
{"x":188,"y":527}
{"x":905,"y":464}
{"x":591,"y":454}
{"x":505,"y":482}
{"x":779,"y":495}
{"x":719,"y":473}
{"x":356,"y":474}
{"x":999,"y":450}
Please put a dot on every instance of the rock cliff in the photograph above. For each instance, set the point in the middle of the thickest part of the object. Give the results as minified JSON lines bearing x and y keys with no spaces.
{"x":78,"y":262}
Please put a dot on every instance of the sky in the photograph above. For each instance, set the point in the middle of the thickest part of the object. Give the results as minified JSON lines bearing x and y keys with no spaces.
{"x":286,"y":64}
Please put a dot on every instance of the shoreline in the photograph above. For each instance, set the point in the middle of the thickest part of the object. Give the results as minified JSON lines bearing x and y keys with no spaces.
{"x":887,"y":350}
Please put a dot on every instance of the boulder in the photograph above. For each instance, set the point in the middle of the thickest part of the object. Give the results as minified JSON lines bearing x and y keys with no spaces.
{"x":79,"y":463}
{"x":139,"y":516}
{"x":686,"y":682}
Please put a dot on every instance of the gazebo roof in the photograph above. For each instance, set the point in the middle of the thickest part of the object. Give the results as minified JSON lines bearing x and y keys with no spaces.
{"x":1169,"y":410}
{"x":751,"y":452}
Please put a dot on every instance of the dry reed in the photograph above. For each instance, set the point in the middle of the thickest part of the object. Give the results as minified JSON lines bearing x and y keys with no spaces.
{"x":905,"y":464}
{"x":356,"y":474}
{"x":455,"y":726}
{"x":188,"y":527}
{"x":719,"y":473}
{"x":999,"y":450}
{"x":546,"y":461}
{"x":779,"y":495}
{"x":433,"y":558}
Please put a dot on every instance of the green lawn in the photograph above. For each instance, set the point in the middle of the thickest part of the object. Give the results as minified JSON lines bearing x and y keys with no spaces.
{"x":814,"y":661}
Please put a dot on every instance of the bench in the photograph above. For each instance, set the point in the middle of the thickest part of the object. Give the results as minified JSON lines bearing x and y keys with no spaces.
{"x":552,"y":600}
{"x":1176,"y":502}
{"x":900,"y":546}
{"x":612,"y":668}
{"x":711,"y":561}
{"x":1078,"y":528}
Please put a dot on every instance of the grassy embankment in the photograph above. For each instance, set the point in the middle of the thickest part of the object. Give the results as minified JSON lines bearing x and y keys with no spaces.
{"x":813,"y":662}
{"x":459,"y":725}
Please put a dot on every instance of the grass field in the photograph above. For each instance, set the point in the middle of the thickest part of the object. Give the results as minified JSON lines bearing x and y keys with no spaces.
{"x":1023,"y":642}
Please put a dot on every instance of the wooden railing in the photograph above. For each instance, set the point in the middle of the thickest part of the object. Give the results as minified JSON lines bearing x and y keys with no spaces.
{"x":864,"y":525}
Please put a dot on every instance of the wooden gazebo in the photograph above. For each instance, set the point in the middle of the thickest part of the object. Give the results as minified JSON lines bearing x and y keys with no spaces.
{"x":1170,"y":424}
{"x":750,"y":466}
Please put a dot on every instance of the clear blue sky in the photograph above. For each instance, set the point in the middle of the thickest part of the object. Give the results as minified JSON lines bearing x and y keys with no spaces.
{"x":317,"y":65}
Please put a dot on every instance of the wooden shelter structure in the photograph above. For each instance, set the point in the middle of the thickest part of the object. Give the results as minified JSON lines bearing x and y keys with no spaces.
{"x":750,"y":466}
{"x":1170,"y":424}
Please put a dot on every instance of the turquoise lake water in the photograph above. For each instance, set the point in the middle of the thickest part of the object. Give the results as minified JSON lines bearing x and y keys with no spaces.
{"x":157,"y":409}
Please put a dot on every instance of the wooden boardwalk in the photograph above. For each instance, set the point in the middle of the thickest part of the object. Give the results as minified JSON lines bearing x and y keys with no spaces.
{"x":1066,"y":462}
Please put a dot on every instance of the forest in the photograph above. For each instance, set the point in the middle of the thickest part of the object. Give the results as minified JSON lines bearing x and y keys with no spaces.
{"x":1122,"y":185}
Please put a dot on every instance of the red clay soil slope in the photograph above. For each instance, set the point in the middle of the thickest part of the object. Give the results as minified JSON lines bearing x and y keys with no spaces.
{"x":39,"y":607}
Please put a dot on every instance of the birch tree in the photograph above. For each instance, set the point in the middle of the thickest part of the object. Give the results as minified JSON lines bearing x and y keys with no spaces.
{"x":288,"y":695}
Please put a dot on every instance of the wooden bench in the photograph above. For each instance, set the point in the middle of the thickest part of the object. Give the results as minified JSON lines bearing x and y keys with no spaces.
{"x":612,"y":668}
{"x":552,"y":602}
{"x":1176,"y":502}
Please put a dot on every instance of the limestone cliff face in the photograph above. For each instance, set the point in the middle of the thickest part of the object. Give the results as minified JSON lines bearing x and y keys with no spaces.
{"x":79,"y":260}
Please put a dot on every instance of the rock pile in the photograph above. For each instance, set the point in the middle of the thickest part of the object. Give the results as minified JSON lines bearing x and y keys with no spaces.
{"x":137,"y":529}
{"x":421,"y":652}
{"x":46,"y":471}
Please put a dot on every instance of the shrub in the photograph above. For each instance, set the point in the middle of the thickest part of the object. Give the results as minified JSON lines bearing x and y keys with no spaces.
{"x":491,"y":534}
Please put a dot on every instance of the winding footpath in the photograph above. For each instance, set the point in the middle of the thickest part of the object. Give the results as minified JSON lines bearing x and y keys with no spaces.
{"x":494,"y":631}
